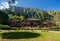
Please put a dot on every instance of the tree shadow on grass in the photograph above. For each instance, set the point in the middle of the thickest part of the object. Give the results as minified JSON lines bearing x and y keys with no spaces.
{"x":19,"y":35}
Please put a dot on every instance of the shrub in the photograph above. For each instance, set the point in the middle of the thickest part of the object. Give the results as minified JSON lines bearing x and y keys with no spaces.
{"x":55,"y":28}
{"x":4,"y":27}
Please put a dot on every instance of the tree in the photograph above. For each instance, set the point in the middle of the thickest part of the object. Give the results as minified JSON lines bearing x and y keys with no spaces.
{"x":3,"y":17}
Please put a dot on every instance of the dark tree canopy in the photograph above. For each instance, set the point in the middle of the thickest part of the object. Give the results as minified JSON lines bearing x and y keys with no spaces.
{"x":3,"y":17}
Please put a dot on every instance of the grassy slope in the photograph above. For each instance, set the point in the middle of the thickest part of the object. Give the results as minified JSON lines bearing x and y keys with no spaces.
{"x":45,"y":36}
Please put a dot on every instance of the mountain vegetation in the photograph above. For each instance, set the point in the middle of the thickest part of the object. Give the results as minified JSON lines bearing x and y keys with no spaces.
{"x":30,"y":13}
{"x":21,"y":13}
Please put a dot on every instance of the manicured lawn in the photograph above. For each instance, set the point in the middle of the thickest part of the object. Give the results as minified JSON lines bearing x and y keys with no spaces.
{"x":28,"y":36}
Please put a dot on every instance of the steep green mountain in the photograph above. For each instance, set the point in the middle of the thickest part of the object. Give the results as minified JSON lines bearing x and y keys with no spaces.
{"x":23,"y":13}
{"x":30,"y":13}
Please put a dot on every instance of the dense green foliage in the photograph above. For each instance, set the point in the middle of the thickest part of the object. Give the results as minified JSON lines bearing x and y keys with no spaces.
{"x":56,"y":18}
{"x":3,"y":17}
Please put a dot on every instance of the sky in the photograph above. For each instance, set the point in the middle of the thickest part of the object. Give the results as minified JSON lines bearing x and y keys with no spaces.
{"x":40,"y":4}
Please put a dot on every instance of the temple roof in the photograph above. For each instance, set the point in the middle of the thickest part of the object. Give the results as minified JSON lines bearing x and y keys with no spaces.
{"x":32,"y":19}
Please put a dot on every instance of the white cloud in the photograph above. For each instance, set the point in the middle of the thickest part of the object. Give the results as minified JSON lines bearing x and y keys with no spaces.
{"x":1,"y":7}
{"x":4,"y":5}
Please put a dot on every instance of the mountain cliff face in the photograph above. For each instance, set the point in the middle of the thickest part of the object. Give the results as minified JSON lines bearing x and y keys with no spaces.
{"x":22,"y":9}
{"x":31,"y":13}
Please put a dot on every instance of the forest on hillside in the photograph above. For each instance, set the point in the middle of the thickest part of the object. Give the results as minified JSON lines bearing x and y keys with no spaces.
{"x":23,"y":13}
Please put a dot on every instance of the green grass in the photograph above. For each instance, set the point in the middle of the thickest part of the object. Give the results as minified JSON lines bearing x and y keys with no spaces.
{"x":50,"y":36}
{"x":44,"y":36}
